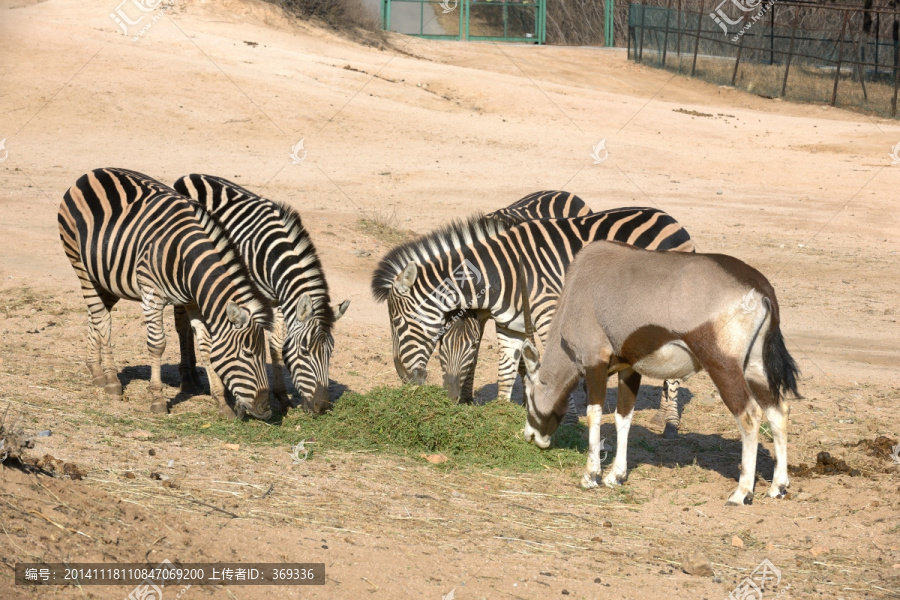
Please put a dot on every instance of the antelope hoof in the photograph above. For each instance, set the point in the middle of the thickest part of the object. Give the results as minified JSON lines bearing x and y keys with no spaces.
{"x":778,"y":491}
{"x":159,"y":407}
{"x":113,"y":389}
{"x":589,"y":481}
{"x":737,"y":500}
{"x":613,"y":480}
{"x":670,"y":432}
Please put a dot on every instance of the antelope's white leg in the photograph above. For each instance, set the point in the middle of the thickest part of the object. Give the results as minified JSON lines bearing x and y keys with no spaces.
{"x":777,"y":416}
{"x":629,"y":383}
{"x":595,"y":378}
{"x":748,"y":422}
{"x":595,"y":446}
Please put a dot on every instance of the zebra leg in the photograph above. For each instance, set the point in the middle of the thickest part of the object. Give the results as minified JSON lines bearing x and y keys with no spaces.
{"x":100,"y":360}
{"x":216,"y":388}
{"x":510,"y":343}
{"x":276,"y":344}
{"x":668,"y":409}
{"x":187,"y":368}
{"x":156,"y":345}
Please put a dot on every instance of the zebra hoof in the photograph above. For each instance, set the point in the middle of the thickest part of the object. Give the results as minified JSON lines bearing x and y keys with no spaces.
{"x":226,"y":413}
{"x":113,"y":389}
{"x":670,"y":432}
{"x":159,"y":407}
{"x":659,"y":419}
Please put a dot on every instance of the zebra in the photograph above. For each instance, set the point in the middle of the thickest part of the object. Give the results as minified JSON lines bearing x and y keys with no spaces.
{"x":458,"y":348}
{"x":131,"y":237}
{"x":475,"y":264}
{"x":284,"y":265}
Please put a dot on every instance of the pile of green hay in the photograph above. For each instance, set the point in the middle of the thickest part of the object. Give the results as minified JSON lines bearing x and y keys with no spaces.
{"x":404,"y":420}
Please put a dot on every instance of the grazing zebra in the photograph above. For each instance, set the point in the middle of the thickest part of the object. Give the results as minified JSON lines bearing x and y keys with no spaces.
{"x":459,"y":346}
{"x":475,"y":265}
{"x":284,"y":265}
{"x":129,"y":236}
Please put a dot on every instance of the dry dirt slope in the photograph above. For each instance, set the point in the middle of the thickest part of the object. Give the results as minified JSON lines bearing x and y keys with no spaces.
{"x":429,"y":131}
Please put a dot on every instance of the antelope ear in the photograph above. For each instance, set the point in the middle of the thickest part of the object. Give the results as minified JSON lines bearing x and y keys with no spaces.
{"x":237,"y":316}
{"x":406,"y":278}
{"x":304,"y":308}
{"x":531,"y":357}
{"x":341,"y":309}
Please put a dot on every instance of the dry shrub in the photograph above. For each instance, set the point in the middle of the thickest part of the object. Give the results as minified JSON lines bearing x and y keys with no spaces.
{"x":12,"y":440}
{"x":575,"y":22}
{"x":341,"y":14}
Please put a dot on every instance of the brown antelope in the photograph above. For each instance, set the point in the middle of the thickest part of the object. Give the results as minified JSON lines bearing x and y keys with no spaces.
{"x":666,"y":315}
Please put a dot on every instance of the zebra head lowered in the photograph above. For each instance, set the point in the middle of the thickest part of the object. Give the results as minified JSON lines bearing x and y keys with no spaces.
{"x":458,"y":354}
{"x":424,"y":282}
{"x":308,"y":345}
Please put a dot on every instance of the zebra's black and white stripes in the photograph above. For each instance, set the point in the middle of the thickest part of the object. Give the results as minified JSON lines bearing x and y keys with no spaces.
{"x":459,"y":346}
{"x":476,"y":264}
{"x":129,"y":236}
{"x":282,"y":261}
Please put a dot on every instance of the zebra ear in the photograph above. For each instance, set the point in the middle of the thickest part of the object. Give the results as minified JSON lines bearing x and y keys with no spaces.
{"x":237,"y":316}
{"x":304,"y":308}
{"x":531,"y":358}
{"x":341,"y":309}
{"x":406,"y":278}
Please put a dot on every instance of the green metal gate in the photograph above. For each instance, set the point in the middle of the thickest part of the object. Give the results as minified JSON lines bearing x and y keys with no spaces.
{"x":490,"y":20}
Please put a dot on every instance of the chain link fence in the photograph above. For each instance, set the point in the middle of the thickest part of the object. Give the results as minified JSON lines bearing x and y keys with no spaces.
{"x":841,"y":55}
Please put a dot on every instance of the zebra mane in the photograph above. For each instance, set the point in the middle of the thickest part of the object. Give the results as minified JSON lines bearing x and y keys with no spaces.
{"x":257,"y":304}
{"x":301,"y":242}
{"x":432,"y":245}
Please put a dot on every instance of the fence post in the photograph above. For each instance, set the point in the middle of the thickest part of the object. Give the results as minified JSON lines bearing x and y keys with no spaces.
{"x":666,"y":34}
{"x":787,"y":66}
{"x":772,"y":35}
{"x":837,"y":72}
{"x":678,"y":40}
{"x":896,"y":65}
{"x":640,"y":51}
{"x":697,"y":43}
{"x":737,"y":60}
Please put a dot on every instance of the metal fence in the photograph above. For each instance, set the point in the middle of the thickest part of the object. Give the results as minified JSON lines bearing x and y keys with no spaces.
{"x":841,"y":55}
{"x":490,"y":20}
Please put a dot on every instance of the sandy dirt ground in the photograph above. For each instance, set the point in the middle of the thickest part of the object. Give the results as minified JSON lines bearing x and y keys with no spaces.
{"x":418,"y":132}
